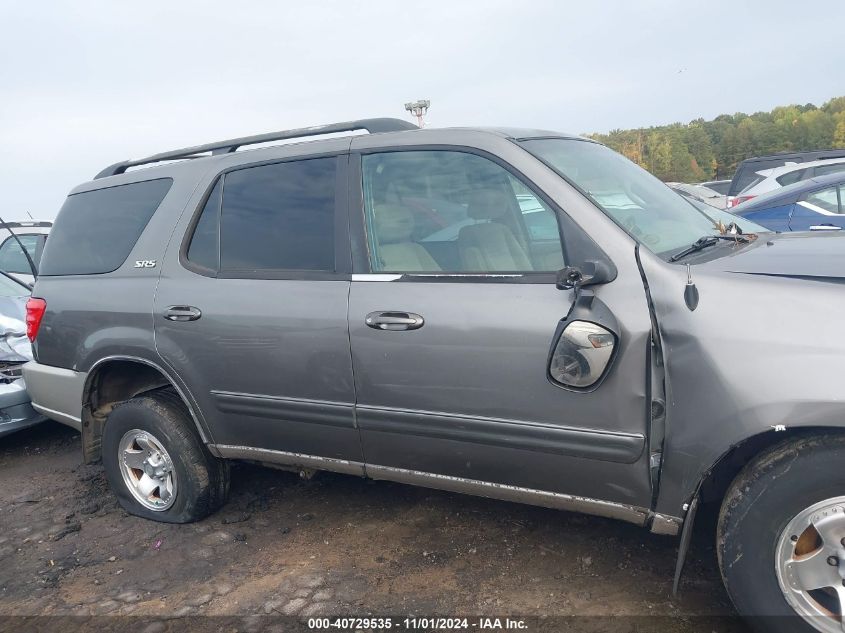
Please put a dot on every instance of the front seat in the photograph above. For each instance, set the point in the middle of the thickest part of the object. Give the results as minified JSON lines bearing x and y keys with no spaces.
{"x":489,"y":245}
{"x":394,"y":225}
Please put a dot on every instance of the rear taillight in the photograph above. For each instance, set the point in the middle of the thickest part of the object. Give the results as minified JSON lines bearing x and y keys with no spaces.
{"x":34,"y":313}
{"x":740,"y":200}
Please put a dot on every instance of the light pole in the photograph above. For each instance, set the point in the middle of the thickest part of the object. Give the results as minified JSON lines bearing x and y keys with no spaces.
{"x":418,"y":109}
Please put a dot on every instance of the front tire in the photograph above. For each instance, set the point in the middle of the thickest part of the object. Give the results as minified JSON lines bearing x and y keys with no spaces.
{"x":156,"y":465}
{"x":781,"y":537}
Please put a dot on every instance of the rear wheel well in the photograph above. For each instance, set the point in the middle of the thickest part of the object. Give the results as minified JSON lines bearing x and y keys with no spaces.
{"x":720,"y":476}
{"x":108,"y":385}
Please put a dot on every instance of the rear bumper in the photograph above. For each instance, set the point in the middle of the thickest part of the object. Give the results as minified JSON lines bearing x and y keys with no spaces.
{"x":16,"y":412}
{"x":56,"y":392}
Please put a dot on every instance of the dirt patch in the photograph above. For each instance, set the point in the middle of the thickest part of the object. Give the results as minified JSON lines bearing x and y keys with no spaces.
{"x":334,"y":545}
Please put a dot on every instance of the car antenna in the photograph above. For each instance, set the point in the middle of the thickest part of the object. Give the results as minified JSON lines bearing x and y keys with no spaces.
{"x":25,"y":252}
{"x":30,"y":215}
{"x":690,"y":292}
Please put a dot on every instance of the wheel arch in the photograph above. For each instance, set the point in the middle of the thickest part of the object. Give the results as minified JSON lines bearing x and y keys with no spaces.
{"x":718,"y":477}
{"x":115,"y":379}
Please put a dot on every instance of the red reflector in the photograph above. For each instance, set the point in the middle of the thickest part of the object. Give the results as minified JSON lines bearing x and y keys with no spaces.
{"x":34,"y":313}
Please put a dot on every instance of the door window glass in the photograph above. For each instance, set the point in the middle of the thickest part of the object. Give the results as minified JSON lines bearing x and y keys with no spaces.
{"x":823,"y":170}
{"x":279,"y":217}
{"x":790,"y":177}
{"x":443,"y":211}
{"x":826,"y":199}
{"x":205,"y":242}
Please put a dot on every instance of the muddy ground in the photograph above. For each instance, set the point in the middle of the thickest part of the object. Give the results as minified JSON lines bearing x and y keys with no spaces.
{"x":333,"y":545}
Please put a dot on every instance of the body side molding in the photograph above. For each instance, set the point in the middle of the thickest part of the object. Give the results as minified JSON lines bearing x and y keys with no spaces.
{"x":633,"y":514}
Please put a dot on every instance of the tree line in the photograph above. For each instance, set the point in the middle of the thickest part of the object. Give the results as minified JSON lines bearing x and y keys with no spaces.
{"x":709,"y":150}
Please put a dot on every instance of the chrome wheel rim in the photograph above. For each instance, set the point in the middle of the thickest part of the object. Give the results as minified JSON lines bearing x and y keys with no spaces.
{"x":810,"y":564}
{"x":147,"y":470}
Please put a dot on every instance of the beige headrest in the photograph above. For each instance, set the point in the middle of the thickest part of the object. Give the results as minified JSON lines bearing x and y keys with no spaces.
{"x":393,"y":223}
{"x":486,"y":205}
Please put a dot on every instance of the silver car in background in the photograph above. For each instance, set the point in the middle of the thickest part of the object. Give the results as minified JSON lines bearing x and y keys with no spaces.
{"x":16,"y":412}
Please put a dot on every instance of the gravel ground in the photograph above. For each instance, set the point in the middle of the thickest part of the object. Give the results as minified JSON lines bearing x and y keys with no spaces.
{"x":332,"y":545}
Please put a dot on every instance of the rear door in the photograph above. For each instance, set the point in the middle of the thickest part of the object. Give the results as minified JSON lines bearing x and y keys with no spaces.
{"x":453,"y":317}
{"x":251,"y":310}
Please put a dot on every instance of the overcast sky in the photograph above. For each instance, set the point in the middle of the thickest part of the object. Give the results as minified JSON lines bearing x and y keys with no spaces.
{"x":85,"y":84}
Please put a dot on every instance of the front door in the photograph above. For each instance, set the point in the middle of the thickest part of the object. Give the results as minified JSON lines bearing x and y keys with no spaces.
{"x":452,"y":324}
{"x":251,"y":312}
{"x":822,"y":210}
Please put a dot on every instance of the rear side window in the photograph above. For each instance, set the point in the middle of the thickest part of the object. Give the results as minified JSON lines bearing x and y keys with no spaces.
{"x":791,"y":177}
{"x":96,"y":230}
{"x":823,"y":170}
{"x":279,"y":217}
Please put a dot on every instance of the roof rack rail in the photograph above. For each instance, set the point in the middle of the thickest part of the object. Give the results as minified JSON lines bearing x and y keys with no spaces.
{"x":372,"y":126}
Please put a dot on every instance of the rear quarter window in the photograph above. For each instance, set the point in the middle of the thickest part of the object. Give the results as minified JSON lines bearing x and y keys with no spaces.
{"x":96,"y":230}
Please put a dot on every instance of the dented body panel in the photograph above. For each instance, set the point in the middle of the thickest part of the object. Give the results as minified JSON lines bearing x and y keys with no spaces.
{"x":762,"y":352}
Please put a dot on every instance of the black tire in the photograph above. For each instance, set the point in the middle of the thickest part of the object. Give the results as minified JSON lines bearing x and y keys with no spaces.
{"x":761,"y":501}
{"x":203,"y":480}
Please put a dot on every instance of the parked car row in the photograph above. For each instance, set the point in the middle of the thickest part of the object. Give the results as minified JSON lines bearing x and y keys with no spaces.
{"x":800,"y":191}
{"x":773,"y":179}
{"x":817,"y":204}
{"x":748,"y":169}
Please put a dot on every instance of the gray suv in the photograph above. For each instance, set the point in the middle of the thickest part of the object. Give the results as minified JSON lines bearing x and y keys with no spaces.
{"x":513,"y":313}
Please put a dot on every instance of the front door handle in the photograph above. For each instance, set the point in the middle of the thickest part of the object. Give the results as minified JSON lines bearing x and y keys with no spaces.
{"x":825,"y":227}
{"x":394,"y":321}
{"x":182,"y":313}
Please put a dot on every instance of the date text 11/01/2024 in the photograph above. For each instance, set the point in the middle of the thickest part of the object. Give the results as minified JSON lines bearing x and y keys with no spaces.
{"x":417,"y":624}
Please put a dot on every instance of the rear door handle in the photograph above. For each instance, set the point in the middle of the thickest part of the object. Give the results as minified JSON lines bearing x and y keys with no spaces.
{"x":825,"y":227}
{"x":394,"y":321}
{"x":182,"y":313}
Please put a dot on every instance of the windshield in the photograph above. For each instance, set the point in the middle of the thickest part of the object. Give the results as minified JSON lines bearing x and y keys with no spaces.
{"x":644,"y":207}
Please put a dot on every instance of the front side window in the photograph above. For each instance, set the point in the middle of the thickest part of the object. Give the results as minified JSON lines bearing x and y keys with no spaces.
{"x":827,"y":199}
{"x":278,"y":217}
{"x":644,"y":207}
{"x":13,"y":259}
{"x":453,"y":212}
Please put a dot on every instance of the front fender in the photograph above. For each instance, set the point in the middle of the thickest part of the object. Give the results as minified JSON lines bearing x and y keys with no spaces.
{"x":756,"y":356}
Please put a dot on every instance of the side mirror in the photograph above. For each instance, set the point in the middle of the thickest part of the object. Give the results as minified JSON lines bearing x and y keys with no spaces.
{"x":590,"y":273}
{"x":582,"y":354}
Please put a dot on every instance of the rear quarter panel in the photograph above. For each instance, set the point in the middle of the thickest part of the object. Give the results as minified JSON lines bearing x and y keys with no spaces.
{"x":90,"y":317}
